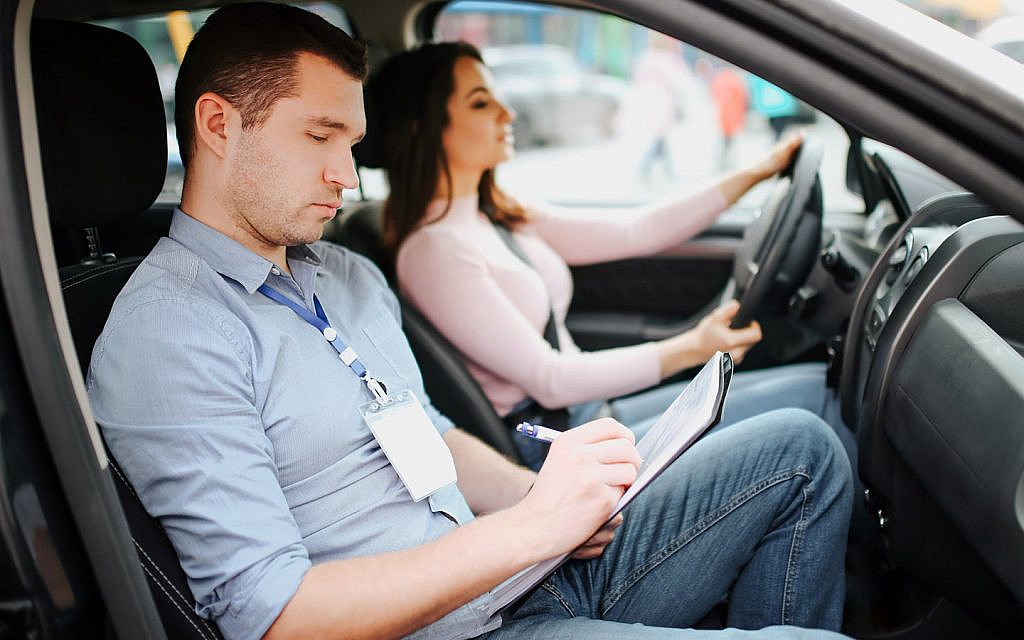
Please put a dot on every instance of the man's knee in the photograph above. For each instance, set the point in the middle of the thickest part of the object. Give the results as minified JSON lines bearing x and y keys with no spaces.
{"x":804,"y":436}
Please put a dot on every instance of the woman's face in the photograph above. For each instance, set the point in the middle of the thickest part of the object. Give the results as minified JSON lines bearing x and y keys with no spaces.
{"x":479,"y":131}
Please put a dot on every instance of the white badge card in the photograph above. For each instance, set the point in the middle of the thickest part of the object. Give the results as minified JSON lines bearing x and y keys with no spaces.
{"x":412,"y":444}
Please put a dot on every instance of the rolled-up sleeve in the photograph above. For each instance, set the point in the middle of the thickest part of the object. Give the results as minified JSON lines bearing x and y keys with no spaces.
{"x":171,"y":388}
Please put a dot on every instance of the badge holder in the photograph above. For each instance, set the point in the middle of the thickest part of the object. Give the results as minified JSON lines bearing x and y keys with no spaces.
{"x":411,"y":443}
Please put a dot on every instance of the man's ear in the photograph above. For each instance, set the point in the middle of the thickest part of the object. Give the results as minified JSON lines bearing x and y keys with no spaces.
{"x":213,"y":119}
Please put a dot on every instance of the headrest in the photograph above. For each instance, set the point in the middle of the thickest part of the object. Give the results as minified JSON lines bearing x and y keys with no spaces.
{"x":102,"y":131}
{"x":397,"y":93}
{"x":369,"y":152}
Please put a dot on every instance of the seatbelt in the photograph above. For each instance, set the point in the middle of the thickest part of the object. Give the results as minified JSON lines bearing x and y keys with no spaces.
{"x":550,"y":330}
{"x":552,"y":418}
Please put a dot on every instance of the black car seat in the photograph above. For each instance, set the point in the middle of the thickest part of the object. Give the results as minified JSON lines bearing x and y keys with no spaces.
{"x":451,"y":387}
{"x":104,"y":153}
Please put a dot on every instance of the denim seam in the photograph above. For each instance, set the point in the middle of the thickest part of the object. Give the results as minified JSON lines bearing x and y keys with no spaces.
{"x":794,"y":555}
{"x":617,"y":591}
{"x":553,"y":590}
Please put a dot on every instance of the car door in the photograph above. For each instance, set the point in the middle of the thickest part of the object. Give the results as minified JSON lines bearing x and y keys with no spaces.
{"x":632,"y":117}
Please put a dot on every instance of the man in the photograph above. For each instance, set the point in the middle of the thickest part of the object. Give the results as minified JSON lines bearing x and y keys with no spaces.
{"x":247,"y":436}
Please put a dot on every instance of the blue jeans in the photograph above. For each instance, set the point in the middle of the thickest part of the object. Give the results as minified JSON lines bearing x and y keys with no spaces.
{"x":756,"y":514}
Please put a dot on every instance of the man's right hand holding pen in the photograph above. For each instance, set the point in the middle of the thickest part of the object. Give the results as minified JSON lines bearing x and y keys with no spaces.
{"x":587,"y":470}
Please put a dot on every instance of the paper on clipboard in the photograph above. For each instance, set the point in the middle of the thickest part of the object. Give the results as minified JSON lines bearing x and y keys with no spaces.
{"x":697,"y":408}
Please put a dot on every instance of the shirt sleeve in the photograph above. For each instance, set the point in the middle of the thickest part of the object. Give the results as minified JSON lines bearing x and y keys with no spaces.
{"x":583,"y":236}
{"x":171,"y":388}
{"x":449,"y":281}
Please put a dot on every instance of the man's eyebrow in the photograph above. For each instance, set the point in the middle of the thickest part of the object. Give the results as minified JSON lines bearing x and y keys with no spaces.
{"x":322,"y":121}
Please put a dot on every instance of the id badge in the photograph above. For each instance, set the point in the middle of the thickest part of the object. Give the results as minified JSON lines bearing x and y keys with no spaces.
{"x":411,"y":443}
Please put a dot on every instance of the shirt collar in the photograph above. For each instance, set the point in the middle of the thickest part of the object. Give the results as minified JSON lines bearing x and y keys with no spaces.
{"x":229,"y":257}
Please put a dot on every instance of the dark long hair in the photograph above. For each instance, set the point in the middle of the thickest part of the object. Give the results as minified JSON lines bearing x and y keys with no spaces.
{"x":408,"y":104}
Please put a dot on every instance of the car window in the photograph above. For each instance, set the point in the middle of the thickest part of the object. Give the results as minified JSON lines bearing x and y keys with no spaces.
{"x":165,"y":37}
{"x":610,"y":112}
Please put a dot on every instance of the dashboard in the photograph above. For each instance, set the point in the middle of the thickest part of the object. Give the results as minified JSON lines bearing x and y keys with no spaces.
{"x":932,"y":381}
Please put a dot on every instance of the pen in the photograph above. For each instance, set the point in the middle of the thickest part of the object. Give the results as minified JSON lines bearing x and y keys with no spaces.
{"x":537,"y":432}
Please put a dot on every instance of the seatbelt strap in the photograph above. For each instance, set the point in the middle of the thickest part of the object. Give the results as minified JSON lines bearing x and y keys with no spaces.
{"x":550,"y":330}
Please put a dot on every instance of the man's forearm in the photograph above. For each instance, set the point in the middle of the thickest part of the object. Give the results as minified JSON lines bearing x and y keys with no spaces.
{"x":393,"y":594}
{"x":489,"y":481}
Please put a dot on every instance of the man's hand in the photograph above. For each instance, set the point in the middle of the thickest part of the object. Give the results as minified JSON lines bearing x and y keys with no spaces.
{"x":595,"y":546}
{"x":586,"y":472}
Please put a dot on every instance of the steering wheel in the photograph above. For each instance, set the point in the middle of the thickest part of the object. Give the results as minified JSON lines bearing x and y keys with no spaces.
{"x":779,"y":247}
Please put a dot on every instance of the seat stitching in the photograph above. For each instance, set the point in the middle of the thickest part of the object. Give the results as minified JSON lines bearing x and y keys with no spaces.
{"x":170,"y":583}
{"x":176,"y":605}
{"x":127,"y":484}
{"x":82,"y":278}
{"x":85,"y":276}
{"x":187,"y":601}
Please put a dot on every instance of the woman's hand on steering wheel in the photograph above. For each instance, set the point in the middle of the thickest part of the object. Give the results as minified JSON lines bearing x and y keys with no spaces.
{"x":694,"y":347}
{"x":714,"y":333}
{"x":779,"y":157}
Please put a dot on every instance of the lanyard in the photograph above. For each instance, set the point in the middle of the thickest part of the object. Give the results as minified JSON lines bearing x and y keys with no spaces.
{"x":346,"y":353}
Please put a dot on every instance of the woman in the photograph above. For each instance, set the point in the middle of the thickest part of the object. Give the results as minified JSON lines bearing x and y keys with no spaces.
{"x":502,"y":300}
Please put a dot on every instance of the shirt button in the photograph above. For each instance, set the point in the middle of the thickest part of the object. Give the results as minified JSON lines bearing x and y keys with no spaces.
{"x":275,"y":271}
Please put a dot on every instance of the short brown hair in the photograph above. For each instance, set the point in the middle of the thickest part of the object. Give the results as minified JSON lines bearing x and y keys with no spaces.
{"x":248,"y":54}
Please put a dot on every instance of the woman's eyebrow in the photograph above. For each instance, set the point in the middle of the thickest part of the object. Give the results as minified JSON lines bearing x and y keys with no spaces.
{"x":477,"y":89}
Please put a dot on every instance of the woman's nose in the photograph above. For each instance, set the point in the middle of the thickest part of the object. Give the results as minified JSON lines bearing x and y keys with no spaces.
{"x":508,"y":113}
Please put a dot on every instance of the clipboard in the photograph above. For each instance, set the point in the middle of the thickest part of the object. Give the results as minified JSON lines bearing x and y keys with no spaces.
{"x":695,"y":410}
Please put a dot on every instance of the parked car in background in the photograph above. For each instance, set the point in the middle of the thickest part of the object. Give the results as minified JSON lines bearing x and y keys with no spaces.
{"x":557,"y":100}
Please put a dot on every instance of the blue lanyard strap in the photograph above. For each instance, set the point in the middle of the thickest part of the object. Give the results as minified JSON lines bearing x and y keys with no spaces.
{"x":345,"y":353}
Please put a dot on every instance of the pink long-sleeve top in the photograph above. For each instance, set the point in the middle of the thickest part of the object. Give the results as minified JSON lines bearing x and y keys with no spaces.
{"x":493,"y":307}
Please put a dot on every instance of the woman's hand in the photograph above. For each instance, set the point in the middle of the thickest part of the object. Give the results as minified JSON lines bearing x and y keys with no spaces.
{"x":715,"y":334}
{"x":778,"y":157}
{"x":734,"y":185}
{"x":712,"y":334}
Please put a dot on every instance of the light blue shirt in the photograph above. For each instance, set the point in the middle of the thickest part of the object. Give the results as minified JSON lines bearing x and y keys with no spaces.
{"x":239,"y":428}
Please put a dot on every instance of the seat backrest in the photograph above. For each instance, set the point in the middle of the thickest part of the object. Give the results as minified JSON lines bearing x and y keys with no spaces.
{"x":102,"y":164}
{"x":452,"y":389}
{"x":361,"y":231}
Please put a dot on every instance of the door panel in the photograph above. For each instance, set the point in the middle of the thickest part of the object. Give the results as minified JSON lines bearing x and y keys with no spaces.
{"x":640,"y":299}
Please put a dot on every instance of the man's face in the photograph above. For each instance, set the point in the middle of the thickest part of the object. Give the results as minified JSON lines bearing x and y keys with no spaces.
{"x":286,"y":175}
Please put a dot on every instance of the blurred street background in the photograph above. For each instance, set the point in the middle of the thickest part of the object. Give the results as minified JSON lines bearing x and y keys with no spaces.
{"x":610,"y":113}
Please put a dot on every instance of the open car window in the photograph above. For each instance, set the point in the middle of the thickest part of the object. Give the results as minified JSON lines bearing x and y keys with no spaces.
{"x":610,"y":112}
